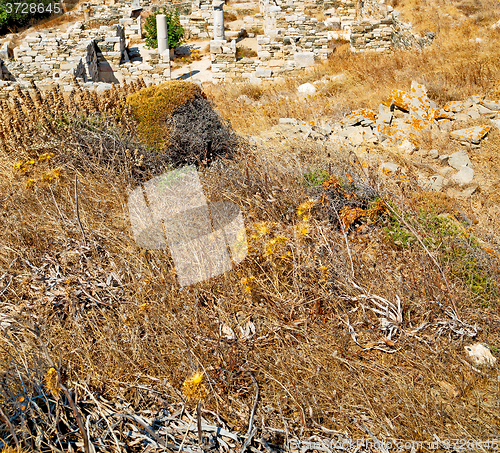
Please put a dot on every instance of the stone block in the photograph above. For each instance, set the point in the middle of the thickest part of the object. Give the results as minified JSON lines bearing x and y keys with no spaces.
{"x":472,"y":134}
{"x":68,"y":66}
{"x":215,"y":47}
{"x":464,"y":176}
{"x":5,"y":51}
{"x":304,"y":59}
{"x":459,"y":159}
{"x":263,"y":73}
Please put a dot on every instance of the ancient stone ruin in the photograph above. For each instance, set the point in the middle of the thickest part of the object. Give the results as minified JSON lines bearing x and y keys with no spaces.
{"x":106,"y":46}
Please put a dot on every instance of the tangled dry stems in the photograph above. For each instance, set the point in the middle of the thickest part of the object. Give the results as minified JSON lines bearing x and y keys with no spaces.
{"x":115,"y":314}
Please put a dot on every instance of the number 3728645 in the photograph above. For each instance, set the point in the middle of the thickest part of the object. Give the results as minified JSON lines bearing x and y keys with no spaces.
{"x":32,"y":8}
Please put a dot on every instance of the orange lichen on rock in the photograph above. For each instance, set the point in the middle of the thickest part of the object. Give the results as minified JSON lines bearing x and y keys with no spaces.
{"x":418,"y":103}
{"x":432,"y":114}
{"x":454,"y":106}
{"x":420,"y":124}
{"x":400,"y":130}
{"x":442,"y":114}
{"x":357,"y":116}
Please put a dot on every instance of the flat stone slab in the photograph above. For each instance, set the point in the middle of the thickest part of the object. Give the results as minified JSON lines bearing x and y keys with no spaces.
{"x":459,"y":159}
{"x":454,"y":106}
{"x":358,"y":116}
{"x":471,"y":134}
{"x":414,"y":102}
{"x":384,"y":114}
{"x":304,"y":59}
{"x":464,"y":176}
{"x":399,"y":130}
{"x":492,"y":105}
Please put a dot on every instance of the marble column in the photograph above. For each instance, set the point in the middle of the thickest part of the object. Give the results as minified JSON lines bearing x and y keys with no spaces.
{"x":218,"y":20}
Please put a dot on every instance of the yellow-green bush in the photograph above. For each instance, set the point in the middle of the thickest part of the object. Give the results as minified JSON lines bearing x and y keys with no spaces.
{"x":152,"y":105}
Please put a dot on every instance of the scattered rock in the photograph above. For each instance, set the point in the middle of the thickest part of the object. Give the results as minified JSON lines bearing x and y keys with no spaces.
{"x":484,"y":110}
{"x":384,"y":114}
{"x":433,"y":153}
{"x":473,"y":114}
{"x":471,"y":134}
{"x":466,"y":193}
{"x":454,"y":106}
{"x":462,"y":117}
{"x":389,"y":167}
{"x":407,"y":147}
{"x":290,"y":121}
{"x":306,"y":88}
{"x":464,"y":176}
{"x":459,"y":159}
{"x":358,"y":116}
{"x":492,"y":105}
{"x":437,"y":182}
{"x":443,"y":159}
{"x":496,"y":123}
{"x":480,"y":354}
{"x":446,"y":171}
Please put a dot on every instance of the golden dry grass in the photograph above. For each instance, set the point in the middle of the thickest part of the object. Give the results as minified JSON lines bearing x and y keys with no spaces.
{"x":454,"y":67}
{"x":152,"y":105}
{"x":296,"y":287}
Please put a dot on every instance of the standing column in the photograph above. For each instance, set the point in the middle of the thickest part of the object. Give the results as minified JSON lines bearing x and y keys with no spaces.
{"x":218,"y":20}
{"x":161,"y":33}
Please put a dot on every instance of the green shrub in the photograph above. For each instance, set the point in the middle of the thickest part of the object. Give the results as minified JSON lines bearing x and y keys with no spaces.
{"x":245,"y":52}
{"x":175,"y":30}
{"x":314,"y":178}
{"x":458,"y":250}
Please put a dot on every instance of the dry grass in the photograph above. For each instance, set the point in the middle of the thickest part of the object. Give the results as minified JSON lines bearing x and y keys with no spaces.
{"x":454,"y":67}
{"x":296,"y":286}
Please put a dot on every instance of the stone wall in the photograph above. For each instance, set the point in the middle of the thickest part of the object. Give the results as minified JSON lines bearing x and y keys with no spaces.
{"x":373,"y":35}
{"x":45,"y":55}
{"x":199,"y":22}
{"x":93,"y":50}
{"x":297,"y":34}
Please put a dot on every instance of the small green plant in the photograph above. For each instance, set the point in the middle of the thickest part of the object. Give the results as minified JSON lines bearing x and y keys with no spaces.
{"x":458,"y":250}
{"x":314,"y":178}
{"x":175,"y":30}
